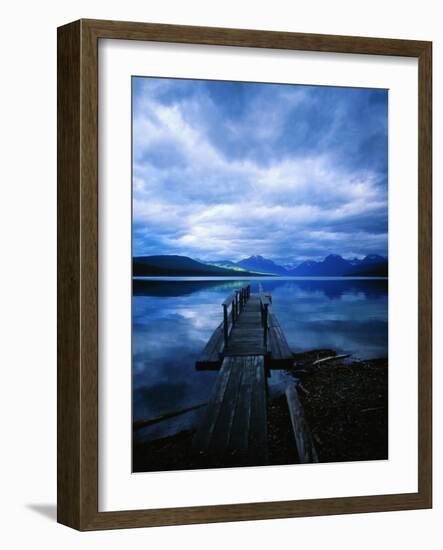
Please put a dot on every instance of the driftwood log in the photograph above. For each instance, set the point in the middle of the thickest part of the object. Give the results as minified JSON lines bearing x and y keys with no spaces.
{"x":331,"y":358}
{"x":156,"y":419}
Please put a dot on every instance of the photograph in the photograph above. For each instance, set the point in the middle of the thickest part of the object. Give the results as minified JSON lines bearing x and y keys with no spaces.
{"x":259,"y":274}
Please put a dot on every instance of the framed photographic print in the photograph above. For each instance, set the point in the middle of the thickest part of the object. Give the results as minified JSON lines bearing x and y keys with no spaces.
{"x":244,"y":274}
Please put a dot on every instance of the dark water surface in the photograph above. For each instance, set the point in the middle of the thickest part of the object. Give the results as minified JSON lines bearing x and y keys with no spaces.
{"x":173,"y":319}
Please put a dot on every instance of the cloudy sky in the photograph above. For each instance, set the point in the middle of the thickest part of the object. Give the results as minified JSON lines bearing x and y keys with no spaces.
{"x":225,"y":170}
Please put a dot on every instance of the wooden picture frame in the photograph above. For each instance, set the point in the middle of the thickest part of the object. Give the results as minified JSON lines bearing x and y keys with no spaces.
{"x":78,"y":274}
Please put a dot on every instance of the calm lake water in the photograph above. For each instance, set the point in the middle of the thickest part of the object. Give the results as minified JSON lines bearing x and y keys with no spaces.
{"x":173,"y":319}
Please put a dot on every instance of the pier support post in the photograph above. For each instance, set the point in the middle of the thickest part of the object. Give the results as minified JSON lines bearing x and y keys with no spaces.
{"x":265,"y":325}
{"x":225,"y":324}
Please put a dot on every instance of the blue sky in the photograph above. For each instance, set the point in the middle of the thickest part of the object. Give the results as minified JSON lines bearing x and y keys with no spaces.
{"x":225,"y":170}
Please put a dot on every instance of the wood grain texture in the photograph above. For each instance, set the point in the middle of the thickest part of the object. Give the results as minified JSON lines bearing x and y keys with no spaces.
{"x":68,"y":276}
{"x":212,"y":412}
{"x":302,"y":434}
{"x":425,"y":274}
{"x":210,"y":357}
{"x":254,"y":38}
{"x":246,"y":337}
{"x":281,"y":353}
{"x":77,"y":273}
{"x":78,"y":262}
{"x":89,"y":275}
{"x":234,"y":422}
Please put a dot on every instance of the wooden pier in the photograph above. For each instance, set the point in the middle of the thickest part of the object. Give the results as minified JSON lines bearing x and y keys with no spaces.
{"x":247,"y":342}
{"x":248,"y":328}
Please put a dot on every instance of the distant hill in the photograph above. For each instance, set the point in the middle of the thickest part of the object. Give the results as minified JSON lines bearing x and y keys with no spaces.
{"x":151,"y":266}
{"x":227,"y":264}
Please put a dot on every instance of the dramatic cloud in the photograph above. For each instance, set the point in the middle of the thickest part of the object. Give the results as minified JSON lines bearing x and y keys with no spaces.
{"x":224,"y":170}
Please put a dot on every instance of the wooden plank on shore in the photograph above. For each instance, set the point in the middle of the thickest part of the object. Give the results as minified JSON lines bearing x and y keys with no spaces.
{"x":305,"y":446}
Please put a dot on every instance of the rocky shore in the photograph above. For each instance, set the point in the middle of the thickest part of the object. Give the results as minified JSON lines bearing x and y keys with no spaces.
{"x":345,"y":403}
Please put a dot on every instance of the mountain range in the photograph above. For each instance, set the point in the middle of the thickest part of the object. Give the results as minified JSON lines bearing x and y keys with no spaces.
{"x":333,"y":265}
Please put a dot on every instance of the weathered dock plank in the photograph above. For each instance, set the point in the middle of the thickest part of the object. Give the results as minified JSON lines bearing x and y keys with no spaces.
{"x":246,"y":337}
{"x":239,"y":436}
{"x":258,"y":436}
{"x":203,"y":435}
{"x":235,"y":419}
{"x":223,"y":422}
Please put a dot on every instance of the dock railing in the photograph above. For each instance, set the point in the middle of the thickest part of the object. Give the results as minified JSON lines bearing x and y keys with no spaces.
{"x":232,"y":307}
{"x":265,"y":304}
